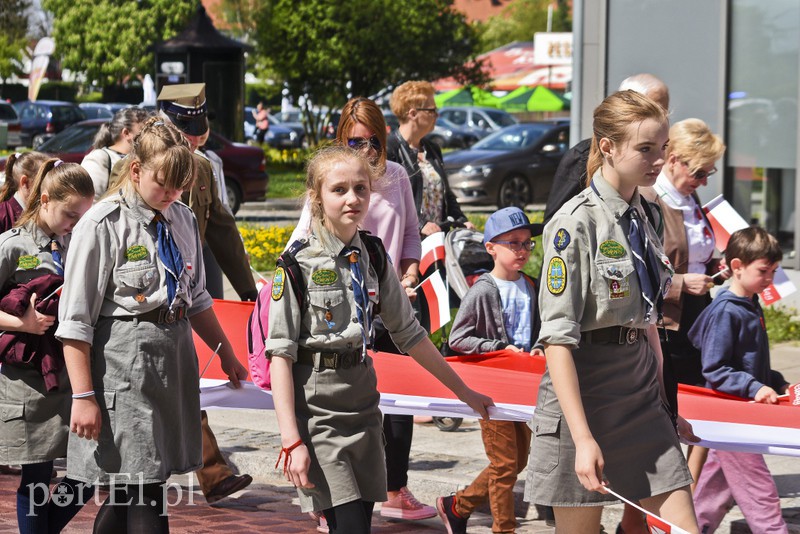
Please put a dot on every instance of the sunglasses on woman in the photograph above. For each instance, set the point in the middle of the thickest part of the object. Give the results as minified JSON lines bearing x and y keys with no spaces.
{"x":357,"y":143}
{"x":700,"y":174}
{"x":516,"y":246}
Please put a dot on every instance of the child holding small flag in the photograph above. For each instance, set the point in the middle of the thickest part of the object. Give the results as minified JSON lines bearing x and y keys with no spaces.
{"x":498,"y":312}
{"x":323,"y":380}
{"x":732,"y":338}
{"x":34,"y":387}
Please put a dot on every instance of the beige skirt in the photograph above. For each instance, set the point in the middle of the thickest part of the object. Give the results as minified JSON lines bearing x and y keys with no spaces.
{"x":339,"y":419}
{"x":620,"y":392}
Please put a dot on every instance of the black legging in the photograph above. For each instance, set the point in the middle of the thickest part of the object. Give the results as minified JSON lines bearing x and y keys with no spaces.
{"x":36,"y":511}
{"x":354,"y":517}
{"x":133,"y":509}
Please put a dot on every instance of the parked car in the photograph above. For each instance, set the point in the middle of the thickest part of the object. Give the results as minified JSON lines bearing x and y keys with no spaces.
{"x":448,"y":135}
{"x":295,"y":125}
{"x":44,"y":118}
{"x":481,"y":121}
{"x":512,"y":167}
{"x":100,"y":110}
{"x":9,"y":117}
{"x":278,"y":135}
{"x":245,"y":175}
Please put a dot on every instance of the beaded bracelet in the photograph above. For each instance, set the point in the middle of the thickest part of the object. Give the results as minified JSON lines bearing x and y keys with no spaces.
{"x":287,"y":460}
{"x":83,"y":395}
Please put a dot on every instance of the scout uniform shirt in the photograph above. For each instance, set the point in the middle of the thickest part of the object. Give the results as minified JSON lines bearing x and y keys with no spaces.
{"x":119,"y":270}
{"x":589,"y":277}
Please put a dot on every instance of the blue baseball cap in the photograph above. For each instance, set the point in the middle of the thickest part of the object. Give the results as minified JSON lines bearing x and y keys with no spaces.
{"x":508,"y":219}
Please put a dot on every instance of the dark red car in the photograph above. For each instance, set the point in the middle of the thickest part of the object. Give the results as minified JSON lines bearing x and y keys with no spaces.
{"x":245,"y":175}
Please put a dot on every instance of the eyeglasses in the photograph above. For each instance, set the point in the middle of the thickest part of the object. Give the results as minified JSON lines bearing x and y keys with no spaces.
{"x":435,"y":111}
{"x":700,"y":174}
{"x":357,"y":143}
{"x":516,"y":246}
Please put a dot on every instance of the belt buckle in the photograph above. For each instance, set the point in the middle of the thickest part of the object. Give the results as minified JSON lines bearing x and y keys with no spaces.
{"x":630,"y":335}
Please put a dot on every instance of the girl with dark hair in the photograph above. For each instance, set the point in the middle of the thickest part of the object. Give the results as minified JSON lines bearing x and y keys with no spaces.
{"x":34,"y":383}
{"x":112,"y":142}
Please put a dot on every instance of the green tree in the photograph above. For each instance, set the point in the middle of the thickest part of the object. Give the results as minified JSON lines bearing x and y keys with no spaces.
{"x":109,"y":40}
{"x":328,"y":50}
{"x":13,"y":39}
{"x":520,"y":20}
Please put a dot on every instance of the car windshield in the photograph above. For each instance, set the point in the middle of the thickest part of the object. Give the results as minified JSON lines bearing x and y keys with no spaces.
{"x":513,"y":137}
{"x":7,"y":113}
{"x":501,"y":118}
{"x":77,"y":138}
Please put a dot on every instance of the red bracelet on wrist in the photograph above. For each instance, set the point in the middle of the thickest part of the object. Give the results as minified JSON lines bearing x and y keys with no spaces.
{"x":287,"y":460}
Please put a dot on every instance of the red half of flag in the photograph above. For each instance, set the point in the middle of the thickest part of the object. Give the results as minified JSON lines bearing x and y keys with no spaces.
{"x":438,"y":298}
{"x":432,"y":250}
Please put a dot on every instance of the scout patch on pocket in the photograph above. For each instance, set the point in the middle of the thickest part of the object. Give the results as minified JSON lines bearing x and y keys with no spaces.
{"x":136,"y":253}
{"x":28,"y":262}
{"x":556,"y":276}
{"x":278,"y":283}
{"x":619,"y":289}
{"x":612,"y":249}
{"x":324,"y":277}
{"x":561,"y":240}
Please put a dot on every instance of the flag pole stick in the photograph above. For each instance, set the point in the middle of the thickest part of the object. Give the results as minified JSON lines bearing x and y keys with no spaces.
{"x":211,"y":359}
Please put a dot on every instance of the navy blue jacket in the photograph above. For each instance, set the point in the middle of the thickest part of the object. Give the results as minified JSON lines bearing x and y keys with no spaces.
{"x":732,"y":337}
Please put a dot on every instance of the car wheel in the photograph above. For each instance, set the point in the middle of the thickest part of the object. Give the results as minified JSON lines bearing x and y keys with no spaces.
{"x":438,"y":140}
{"x":514,"y":191}
{"x":234,"y":196}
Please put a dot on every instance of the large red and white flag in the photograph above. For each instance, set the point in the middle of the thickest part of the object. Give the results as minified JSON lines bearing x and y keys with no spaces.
{"x":438,"y":298}
{"x":725,"y":221}
{"x":432,"y":250}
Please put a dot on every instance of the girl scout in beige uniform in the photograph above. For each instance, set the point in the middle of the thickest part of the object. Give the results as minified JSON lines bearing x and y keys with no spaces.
{"x":34,"y":410}
{"x":323,"y":380}
{"x":135,"y":278}
{"x":600,"y":411}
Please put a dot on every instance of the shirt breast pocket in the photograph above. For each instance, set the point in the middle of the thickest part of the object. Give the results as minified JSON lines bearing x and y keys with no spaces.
{"x":328,"y":311}
{"x":136,"y":279}
{"x":616,"y":283}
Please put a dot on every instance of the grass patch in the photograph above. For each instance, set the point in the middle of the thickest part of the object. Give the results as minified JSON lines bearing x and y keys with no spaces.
{"x":782,"y":324}
{"x":286,"y":183}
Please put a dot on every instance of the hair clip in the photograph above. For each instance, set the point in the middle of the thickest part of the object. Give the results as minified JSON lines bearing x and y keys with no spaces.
{"x":17,"y":155}
{"x":57,"y":163}
{"x":158,"y":123}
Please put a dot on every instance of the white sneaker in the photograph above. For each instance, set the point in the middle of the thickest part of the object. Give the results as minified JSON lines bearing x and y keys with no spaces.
{"x":405,"y":506}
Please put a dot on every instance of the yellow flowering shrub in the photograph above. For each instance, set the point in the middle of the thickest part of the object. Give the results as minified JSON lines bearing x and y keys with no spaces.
{"x":264,"y":244}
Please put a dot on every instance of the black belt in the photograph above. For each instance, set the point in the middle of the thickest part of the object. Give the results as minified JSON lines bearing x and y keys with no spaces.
{"x":620,"y":335}
{"x":158,"y":316}
{"x":329,"y":360}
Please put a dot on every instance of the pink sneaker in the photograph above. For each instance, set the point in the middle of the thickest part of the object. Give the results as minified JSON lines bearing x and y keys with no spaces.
{"x":403,"y":505}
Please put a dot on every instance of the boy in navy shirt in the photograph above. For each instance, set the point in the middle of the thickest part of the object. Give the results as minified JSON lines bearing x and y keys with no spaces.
{"x":732,"y":337}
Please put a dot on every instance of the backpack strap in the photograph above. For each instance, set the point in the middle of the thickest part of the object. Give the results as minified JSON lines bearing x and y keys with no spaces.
{"x":658,"y":225}
{"x":288,"y":261}
{"x":376,"y":251}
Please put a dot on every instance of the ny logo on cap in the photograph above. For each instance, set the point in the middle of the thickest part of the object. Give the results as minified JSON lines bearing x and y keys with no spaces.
{"x":517,"y":219}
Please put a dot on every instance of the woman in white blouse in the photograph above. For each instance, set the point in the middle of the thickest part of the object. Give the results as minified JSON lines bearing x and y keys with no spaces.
{"x":689,"y":243}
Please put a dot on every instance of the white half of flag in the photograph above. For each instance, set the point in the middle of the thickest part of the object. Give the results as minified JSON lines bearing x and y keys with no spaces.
{"x":725,"y":221}
{"x":438,"y":298}
{"x":432,"y":250}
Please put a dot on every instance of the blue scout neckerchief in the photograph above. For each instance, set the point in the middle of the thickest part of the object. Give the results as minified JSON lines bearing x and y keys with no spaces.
{"x":363,"y":305}
{"x":170,"y":256}
{"x":57,"y":259}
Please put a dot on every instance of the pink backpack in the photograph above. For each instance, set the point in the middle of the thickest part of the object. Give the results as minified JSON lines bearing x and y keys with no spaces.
{"x":257,"y":330}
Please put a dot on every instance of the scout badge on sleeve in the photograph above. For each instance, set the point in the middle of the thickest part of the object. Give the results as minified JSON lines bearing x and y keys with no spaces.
{"x":556,"y":276}
{"x":561,"y":240}
{"x":278,"y":283}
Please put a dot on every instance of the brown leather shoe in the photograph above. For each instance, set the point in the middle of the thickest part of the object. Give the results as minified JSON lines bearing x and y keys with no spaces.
{"x":230,"y":485}
{"x":9,"y":470}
